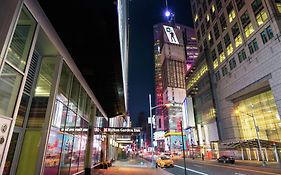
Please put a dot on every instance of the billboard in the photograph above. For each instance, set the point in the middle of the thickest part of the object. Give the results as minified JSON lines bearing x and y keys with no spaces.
{"x":171,"y":34}
{"x":188,"y":113}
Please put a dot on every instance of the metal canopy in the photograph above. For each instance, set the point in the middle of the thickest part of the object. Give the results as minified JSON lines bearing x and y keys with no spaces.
{"x":253,"y":143}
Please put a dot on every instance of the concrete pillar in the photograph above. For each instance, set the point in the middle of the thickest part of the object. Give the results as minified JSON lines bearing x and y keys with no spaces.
{"x":89,"y":147}
{"x":108,"y":150}
{"x":257,"y":153}
{"x":276,"y":153}
{"x":265,"y":153}
{"x":249,"y":153}
{"x":242,"y":153}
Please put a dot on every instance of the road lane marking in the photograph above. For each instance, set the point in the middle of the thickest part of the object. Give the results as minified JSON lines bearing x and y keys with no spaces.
{"x":239,"y":174}
{"x":198,"y":172}
{"x":237,"y":168}
{"x":197,"y":166}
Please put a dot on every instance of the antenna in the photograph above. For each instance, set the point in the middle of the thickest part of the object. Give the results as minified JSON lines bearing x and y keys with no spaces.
{"x":168,"y":13}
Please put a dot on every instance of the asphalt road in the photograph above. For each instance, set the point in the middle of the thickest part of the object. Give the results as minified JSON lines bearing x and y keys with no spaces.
{"x":196,"y":167}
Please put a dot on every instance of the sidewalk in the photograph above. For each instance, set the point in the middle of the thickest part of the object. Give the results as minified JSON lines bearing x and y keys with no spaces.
{"x":136,"y":166}
{"x":251,"y":163}
{"x":130,"y":171}
{"x":258,"y":163}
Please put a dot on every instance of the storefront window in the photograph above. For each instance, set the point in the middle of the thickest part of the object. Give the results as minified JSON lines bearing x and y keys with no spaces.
{"x":59,"y":117}
{"x":73,"y":103}
{"x":66,"y":155}
{"x":10,"y":81}
{"x":52,"y":157}
{"x":65,"y":84}
{"x":83,"y":144}
{"x":96,"y":149}
{"x":76,"y":146}
{"x":75,"y":154}
{"x":82,"y":102}
{"x":42,"y":92}
{"x":21,"y":42}
{"x":70,"y":122}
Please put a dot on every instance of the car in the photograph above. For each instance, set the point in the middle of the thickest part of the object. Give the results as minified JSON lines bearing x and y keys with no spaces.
{"x":164,"y":161}
{"x":226,"y":159}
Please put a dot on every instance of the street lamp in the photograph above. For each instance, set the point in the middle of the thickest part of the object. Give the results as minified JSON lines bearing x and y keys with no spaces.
{"x":151,"y":128}
{"x":183,"y":151}
{"x":257,"y":133}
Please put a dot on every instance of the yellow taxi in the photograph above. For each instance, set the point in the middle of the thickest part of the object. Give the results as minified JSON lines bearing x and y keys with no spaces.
{"x":164,"y":161}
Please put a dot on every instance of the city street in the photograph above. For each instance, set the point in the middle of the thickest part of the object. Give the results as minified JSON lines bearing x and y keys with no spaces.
{"x":195,"y":167}
{"x":140,"y":166}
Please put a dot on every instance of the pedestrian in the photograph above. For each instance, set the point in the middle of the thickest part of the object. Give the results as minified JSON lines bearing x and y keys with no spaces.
{"x":202,"y":156}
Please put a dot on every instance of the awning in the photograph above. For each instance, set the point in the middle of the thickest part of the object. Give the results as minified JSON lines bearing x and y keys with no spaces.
{"x":253,"y":143}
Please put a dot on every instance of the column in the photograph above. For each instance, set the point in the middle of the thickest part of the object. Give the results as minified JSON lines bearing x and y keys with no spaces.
{"x":89,"y":146}
{"x":276,"y":154}
{"x":242,"y":153}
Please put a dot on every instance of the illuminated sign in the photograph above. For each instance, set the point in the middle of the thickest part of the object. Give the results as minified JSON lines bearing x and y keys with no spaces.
{"x":171,"y":34}
{"x":159,"y":135}
{"x":112,"y":130}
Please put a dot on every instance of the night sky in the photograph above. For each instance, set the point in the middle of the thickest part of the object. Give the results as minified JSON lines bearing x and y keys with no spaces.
{"x":143,"y":15}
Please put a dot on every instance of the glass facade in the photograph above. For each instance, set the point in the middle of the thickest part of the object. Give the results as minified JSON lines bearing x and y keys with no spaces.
{"x":64,"y":139}
{"x":68,"y":136}
{"x":15,"y":62}
{"x":263,"y":108}
{"x":10,"y":81}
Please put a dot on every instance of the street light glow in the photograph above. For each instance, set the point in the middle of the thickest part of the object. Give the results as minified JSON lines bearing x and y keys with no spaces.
{"x":167,"y":13}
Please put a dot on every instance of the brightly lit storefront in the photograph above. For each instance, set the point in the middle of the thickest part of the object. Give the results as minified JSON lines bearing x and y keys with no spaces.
{"x":46,"y":105}
{"x":259,"y":110}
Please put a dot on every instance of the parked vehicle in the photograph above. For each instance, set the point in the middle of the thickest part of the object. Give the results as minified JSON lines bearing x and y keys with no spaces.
{"x":226,"y":159}
{"x":164,"y":161}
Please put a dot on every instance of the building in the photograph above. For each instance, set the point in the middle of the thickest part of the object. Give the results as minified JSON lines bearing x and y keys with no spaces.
{"x":174,"y":53}
{"x":46,"y":107}
{"x":240,"y":49}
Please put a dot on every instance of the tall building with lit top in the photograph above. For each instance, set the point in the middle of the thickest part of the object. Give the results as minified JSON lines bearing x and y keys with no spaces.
{"x":239,"y":43}
{"x":173,"y":44}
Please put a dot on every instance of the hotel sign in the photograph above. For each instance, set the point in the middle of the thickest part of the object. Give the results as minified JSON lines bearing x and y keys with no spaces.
{"x":113,"y":130}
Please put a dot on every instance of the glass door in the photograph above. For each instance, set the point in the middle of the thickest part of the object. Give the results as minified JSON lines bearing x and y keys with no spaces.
{"x":13,"y":153}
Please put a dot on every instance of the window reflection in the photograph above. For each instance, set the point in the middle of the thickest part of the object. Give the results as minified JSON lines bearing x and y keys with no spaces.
{"x":21,"y":42}
{"x":65,"y":84}
{"x":42,"y":92}
{"x":22,"y":110}
{"x":10,"y":81}
{"x":73,"y":103}
{"x":59,"y":117}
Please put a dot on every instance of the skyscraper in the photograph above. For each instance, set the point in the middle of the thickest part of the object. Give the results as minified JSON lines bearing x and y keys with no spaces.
{"x":240,"y":62}
{"x":173,"y":44}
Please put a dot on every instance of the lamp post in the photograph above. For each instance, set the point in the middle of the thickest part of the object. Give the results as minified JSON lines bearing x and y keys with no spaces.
{"x":257,"y":133}
{"x":183,"y":151}
{"x":151,"y":128}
